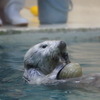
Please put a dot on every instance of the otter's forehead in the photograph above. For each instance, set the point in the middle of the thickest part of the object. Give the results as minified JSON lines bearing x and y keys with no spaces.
{"x":43,"y":47}
{"x":46,"y":45}
{"x":53,"y":42}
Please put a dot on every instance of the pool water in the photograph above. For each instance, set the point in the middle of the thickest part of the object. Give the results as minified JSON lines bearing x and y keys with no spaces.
{"x":83,"y":48}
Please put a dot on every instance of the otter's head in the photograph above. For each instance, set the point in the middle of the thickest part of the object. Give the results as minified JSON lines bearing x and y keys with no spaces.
{"x":46,"y":56}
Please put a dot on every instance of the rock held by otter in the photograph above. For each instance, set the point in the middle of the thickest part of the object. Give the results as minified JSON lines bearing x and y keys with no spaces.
{"x":71,"y":70}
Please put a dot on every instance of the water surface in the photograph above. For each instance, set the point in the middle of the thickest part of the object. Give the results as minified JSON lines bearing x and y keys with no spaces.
{"x":83,"y":48}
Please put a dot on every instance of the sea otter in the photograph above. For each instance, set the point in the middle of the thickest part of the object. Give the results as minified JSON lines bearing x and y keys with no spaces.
{"x":45,"y":60}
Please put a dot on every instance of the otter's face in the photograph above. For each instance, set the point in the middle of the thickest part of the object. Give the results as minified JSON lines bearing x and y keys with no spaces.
{"x":46,"y":56}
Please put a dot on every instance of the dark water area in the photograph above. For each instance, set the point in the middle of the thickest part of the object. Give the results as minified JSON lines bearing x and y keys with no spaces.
{"x":83,"y":48}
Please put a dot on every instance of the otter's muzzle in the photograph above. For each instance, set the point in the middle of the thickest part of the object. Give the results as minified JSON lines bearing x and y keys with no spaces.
{"x":62,"y":45}
{"x":64,"y":55}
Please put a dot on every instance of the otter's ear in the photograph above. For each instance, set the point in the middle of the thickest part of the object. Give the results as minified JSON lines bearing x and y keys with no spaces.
{"x":29,"y":59}
{"x":28,"y":65}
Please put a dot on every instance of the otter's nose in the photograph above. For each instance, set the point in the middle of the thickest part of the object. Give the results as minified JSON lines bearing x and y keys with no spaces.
{"x":62,"y":45}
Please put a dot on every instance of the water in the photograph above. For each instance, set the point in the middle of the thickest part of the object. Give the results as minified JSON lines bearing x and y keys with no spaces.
{"x":83,"y":48}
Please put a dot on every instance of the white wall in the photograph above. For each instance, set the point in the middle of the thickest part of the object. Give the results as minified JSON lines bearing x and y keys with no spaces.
{"x":30,"y":2}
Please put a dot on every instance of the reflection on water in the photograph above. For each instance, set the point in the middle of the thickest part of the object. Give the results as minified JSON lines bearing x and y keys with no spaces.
{"x":83,"y":47}
{"x":88,"y":55}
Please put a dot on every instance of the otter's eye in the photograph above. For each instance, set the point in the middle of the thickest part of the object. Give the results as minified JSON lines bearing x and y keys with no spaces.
{"x":44,"y":46}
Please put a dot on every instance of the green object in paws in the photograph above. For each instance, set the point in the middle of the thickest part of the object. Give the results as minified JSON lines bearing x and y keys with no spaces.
{"x":71,"y":70}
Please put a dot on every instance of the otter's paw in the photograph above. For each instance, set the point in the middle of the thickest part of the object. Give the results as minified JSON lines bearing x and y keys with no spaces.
{"x":71,"y":70}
